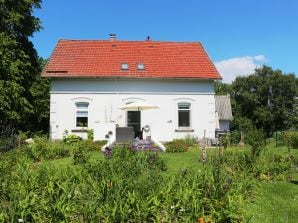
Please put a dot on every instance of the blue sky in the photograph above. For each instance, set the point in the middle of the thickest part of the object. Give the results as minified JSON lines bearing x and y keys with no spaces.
{"x":237,"y":34}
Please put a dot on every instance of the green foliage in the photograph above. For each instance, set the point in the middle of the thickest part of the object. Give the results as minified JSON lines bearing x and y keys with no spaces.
{"x":177,"y":145}
{"x":181,"y":145}
{"x":235,"y":137}
{"x":222,"y":88}
{"x":80,"y":156}
{"x":225,"y":140}
{"x":291,"y":139}
{"x":266,"y":98}
{"x":42,"y":149}
{"x":71,"y":138}
{"x":90,"y":134}
{"x":90,"y":145}
{"x":255,"y":138}
{"x":132,"y":187}
{"x":21,"y":96}
{"x":191,"y":141}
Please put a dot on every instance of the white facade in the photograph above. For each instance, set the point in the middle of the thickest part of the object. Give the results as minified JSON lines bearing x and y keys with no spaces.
{"x":105,"y":97}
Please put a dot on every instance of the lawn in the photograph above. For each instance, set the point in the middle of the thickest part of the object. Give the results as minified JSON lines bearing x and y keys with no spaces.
{"x":275,"y":201}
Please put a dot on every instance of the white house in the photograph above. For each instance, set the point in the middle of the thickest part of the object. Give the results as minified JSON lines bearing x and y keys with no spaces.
{"x":93,"y":80}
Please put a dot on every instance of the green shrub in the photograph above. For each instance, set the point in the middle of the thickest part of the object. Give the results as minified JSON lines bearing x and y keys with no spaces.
{"x":255,"y":138}
{"x":131,"y":187}
{"x":235,"y":137}
{"x":291,"y":139}
{"x":91,"y":145}
{"x":225,"y":140}
{"x":90,"y":134}
{"x":191,"y":140}
{"x":177,"y":145}
{"x":80,"y":156}
{"x":72,"y":138}
{"x":43,"y":149}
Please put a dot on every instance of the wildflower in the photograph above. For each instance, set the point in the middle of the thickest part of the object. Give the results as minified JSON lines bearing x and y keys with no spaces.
{"x":204,"y":156}
{"x":201,"y":220}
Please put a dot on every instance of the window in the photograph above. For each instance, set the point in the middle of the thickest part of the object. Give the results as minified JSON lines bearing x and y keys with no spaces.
{"x":124,"y":66}
{"x":141,"y":66}
{"x":82,"y":114}
{"x":183,"y":115}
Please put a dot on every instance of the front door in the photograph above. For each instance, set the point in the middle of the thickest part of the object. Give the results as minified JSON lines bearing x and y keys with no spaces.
{"x":134,"y":120}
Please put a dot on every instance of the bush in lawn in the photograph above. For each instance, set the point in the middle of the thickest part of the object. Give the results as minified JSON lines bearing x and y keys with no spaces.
{"x":91,"y":145}
{"x":291,"y":139}
{"x":235,"y":137}
{"x":80,"y":156}
{"x":191,"y":140}
{"x":271,"y":167}
{"x":255,"y":138}
{"x":177,"y":145}
{"x":70,"y":138}
{"x":43,"y":149}
{"x":90,"y":134}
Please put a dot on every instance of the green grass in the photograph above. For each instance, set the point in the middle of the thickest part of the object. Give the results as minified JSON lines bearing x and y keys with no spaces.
{"x":274,"y":201}
{"x":177,"y":161}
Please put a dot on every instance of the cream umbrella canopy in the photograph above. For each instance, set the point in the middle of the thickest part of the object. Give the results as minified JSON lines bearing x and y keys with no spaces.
{"x":138,"y":106}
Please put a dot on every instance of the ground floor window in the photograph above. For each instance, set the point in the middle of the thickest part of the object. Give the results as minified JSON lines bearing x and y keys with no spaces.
{"x":82,"y":114}
{"x":183,"y":115}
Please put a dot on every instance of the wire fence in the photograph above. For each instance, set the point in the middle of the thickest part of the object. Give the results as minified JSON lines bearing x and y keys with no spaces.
{"x":8,"y":137}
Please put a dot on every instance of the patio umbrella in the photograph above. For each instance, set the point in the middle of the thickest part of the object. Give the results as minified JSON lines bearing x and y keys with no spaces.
{"x":138,"y":106}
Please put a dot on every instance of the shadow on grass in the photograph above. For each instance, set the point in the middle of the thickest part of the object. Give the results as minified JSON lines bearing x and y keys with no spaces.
{"x":294,"y":182}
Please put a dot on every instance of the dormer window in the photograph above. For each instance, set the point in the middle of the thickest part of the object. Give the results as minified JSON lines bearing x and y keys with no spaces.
{"x":124,"y":66}
{"x":141,"y":66}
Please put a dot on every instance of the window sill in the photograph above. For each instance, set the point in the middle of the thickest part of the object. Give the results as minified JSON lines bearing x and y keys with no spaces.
{"x":184,"y":130}
{"x":79,"y":130}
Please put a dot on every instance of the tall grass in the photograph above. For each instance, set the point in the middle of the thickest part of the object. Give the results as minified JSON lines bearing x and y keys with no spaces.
{"x":131,"y":187}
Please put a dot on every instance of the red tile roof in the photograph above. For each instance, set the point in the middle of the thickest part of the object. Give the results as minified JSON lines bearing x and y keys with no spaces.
{"x":103,"y":58}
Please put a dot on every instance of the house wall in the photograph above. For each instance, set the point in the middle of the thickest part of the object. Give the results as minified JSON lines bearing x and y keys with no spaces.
{"x":106,"y":96}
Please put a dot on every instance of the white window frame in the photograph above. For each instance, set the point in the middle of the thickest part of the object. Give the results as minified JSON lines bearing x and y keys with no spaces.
{"x":184,"y":109}
{"x":83,"y":110}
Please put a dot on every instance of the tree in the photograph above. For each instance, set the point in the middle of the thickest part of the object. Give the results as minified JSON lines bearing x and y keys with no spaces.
{"x":266,"y":98}
{"x":19,"y":62}
{"x":222,"y":88}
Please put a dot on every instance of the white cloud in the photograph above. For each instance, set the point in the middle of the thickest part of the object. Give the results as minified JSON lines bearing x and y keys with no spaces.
{"x":260,"y":58}
{"x":233,"y":67}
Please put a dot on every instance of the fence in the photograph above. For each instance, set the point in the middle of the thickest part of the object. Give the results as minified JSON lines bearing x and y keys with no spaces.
{"x":8,"y":137}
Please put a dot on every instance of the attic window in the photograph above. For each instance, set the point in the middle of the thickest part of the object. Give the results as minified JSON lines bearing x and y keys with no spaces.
{"x":124,"y":66}
{"x":141,"y":66}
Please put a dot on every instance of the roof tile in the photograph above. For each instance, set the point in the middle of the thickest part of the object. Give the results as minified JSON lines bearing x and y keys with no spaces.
{"x":103,"y":58}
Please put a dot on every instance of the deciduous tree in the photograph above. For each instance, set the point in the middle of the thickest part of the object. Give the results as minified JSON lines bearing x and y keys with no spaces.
{"x":19,"y":62}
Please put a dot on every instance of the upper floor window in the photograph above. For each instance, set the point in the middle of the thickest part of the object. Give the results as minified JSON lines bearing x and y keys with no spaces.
{"x":184,"y":115}
{"x":82,"y":114}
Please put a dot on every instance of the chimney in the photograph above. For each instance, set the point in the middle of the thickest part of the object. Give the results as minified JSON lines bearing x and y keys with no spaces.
{"x":112,"y":37}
